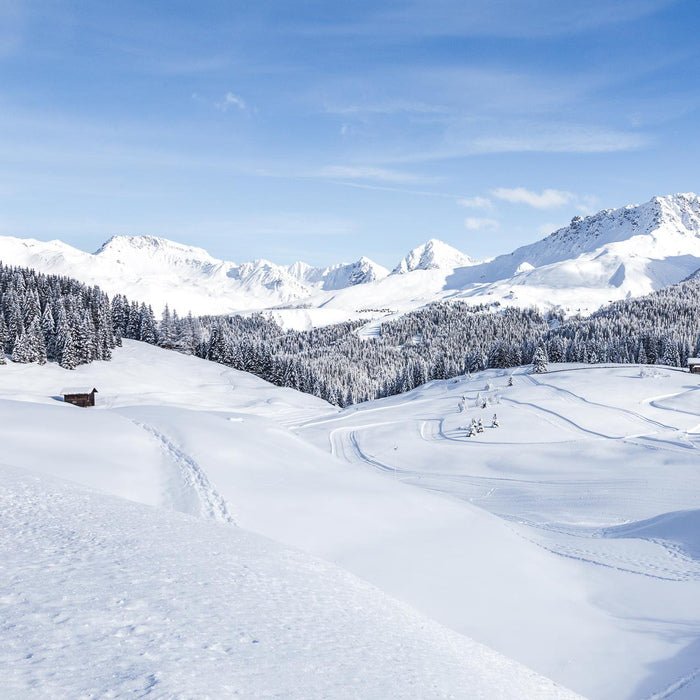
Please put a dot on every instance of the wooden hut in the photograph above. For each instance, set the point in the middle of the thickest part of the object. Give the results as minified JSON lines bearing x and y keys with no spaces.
{"x":694,"y":365}
{"x":82,"y":396}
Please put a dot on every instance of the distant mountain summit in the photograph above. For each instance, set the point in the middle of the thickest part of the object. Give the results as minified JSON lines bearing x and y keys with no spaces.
{"x":432,"y":255}
{"x":613,"y":254}
{"x":339,"y":276}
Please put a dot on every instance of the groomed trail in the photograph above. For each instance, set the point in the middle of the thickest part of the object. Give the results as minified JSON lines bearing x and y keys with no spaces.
{"x":579,"y":452}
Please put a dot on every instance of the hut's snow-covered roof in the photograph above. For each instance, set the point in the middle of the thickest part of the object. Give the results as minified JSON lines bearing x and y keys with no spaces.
{"x":78,"y":390}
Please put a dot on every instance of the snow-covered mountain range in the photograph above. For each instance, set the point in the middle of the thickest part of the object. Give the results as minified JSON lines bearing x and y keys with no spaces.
{"x":610,"y":255}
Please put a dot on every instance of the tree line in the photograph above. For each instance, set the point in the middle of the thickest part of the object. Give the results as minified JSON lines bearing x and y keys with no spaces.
{"x":51,"y":318}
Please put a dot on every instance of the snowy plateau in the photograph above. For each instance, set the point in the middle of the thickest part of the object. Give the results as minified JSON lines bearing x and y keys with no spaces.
{"x":611,"y":255}
{"x":201,"y":533}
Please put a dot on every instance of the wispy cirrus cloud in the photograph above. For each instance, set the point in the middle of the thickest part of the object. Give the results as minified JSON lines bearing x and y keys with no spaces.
{"x":491,"y":18}
{"x":229,"y":100}
{"x":388,"y":107}
{"x":475,"y":223}
{"x":367,"y":173}
{"x":546,"y":199}
{"x":560,"y":138}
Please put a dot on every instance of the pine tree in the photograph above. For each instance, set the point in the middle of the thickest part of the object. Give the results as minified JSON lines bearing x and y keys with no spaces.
{"x":539,"y":361}
{"x":69,"y":354}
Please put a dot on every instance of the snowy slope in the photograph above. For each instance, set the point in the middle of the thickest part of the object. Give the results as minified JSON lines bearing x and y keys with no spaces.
{"x":597,"y":467}
{"x":190,"y":436}
{"x":107,"y":598}
{"x":564,"y":539}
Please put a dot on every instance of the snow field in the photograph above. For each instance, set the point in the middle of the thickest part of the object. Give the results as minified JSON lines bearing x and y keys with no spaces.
{"x":107,"y":598}
{"x":135,"y":595}
{"x":566,"y":538}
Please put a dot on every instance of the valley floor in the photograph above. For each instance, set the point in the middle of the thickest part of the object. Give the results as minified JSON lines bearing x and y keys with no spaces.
{"x":568,"y":538}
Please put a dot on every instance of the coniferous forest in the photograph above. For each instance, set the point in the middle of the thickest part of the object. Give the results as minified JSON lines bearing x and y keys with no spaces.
{"x":50,"y":318}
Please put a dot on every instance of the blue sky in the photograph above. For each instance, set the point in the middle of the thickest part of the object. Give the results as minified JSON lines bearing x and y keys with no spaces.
{"x":325,"y":130}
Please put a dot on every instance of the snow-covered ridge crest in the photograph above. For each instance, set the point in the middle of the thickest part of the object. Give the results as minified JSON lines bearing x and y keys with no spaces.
{"x":340,"y":275}
{"x":616,"y":253}
{"x":188,"y":278}
{"x":152,"y":245}
{"x":432,"y":255}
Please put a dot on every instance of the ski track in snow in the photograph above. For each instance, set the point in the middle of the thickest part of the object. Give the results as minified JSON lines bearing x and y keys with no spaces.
{"x":679,"y":684}
{"x":211,"y":503}
{"x":666,"y":562}
{"x":578,"y":397}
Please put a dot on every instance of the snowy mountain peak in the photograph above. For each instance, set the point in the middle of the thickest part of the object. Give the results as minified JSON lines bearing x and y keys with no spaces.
{"x":616,"y":253}
{"x":153,"y":246}
{"x":433,"y":255}
{"x":678,"y":213}
{"x":338,"y":276}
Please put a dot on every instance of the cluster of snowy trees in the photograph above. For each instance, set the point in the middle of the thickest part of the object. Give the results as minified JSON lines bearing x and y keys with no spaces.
{"x":46,"y":317}
{"x":51,"y":318}
{"x":660,"y":328}
{"x":438,"y":342}
{"x":448,"y":339}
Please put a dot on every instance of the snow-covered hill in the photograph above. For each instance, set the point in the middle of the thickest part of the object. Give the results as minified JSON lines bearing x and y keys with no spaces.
{"x":107,"y":598}
{"x":611,"y":255}
{"x":170,"y":592}
{"x":564,"y":539}
{"x":596,"y":466}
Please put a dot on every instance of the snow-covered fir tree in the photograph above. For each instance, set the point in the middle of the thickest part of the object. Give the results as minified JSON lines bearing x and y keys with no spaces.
{"x":539,"y":361}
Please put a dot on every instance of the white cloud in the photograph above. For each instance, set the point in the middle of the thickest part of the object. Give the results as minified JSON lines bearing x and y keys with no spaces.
{"x":547,"y":199}
{"x":475,"y":202}
{"x":232,"y":100}
{"x":560,"y":138}
{"x":474,"y":223}
{"x":361,"y":172}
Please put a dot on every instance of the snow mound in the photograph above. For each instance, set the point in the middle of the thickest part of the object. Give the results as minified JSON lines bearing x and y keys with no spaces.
{"x":680,"y":528}
{"x":103,"y":597}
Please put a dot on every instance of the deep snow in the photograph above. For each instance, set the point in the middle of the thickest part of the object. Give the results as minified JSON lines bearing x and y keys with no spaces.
{"x":565,"y":539}
{"x":106,"y":598}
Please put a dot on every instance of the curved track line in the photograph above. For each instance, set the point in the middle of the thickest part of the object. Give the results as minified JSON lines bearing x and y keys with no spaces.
{"x":193,"y":476}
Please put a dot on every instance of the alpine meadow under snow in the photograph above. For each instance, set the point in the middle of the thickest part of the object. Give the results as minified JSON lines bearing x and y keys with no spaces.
{"x":565,"y":539}
{"x":457,"y":479}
